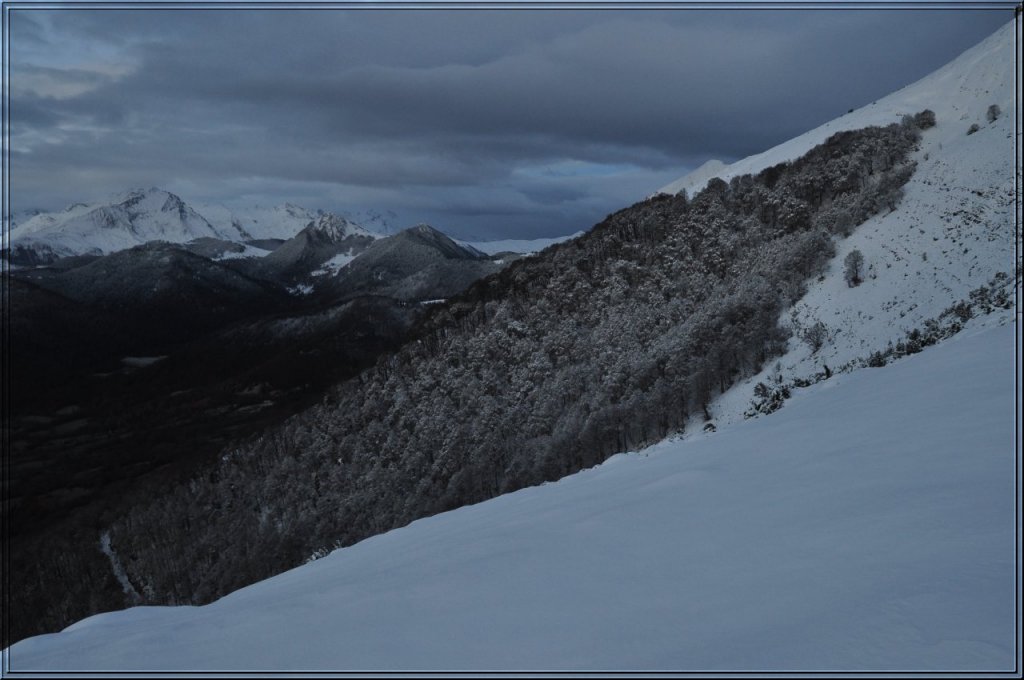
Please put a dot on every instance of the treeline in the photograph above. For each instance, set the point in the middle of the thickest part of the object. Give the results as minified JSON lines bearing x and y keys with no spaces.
{"x":996,"y":294}
{"x":595,"y":346}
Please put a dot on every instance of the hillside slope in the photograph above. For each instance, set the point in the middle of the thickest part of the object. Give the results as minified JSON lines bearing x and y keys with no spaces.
{"x":954,"y":230}
{"x":839,"y":534}
{"x":587,"y":349}
{"x":415,"y":264}
{"x":959,"y":93}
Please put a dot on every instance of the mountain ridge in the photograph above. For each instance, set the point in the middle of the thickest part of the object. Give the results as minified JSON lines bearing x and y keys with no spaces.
{"x":980,"y":70}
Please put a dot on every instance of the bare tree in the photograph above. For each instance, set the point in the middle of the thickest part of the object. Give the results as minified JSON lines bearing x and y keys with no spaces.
{"x":815,"y":335}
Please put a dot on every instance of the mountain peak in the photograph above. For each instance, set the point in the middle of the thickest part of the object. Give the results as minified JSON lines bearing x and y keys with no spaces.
{"x":434,"y":238}
{"x":125,"y":220}
{"x":334,"y":228}
{"x":424,"y":228}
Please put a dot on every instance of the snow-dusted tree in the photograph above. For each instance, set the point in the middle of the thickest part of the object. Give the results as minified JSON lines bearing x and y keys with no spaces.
{"x":595,"y":346}
{"x":925,"y":119}
{"x":853,"y":268}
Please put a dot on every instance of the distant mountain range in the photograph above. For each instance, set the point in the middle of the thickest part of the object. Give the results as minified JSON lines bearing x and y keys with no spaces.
{"x":300,"y":250}
{"x":127,"y":220}
{"x":139,"y":216}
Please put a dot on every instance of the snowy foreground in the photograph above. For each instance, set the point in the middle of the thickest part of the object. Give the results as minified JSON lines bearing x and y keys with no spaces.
{"x":869,"y":524}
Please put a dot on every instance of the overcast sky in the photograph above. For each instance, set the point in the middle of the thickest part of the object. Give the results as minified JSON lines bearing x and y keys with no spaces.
{"x":484,"y":123}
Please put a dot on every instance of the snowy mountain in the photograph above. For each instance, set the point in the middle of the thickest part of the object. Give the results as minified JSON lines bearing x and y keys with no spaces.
{"x":129,"y":219}
{"x":19,"y":217}
{"x":960,"y":93}
{"x":952,"y":232}
{"x":213,"y":230}
{"x":280,"y":222}
{"x":837,"y":535}
{"x":418,"y":263}
{"x":324,"y":240}
{"x":143,"y":215}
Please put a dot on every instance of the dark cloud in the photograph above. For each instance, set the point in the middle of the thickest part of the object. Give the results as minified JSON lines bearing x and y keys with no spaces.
{"x":494,"y":123}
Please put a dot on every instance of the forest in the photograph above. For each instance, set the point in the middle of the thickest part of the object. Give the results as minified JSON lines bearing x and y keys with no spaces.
{"x":594,"y":346}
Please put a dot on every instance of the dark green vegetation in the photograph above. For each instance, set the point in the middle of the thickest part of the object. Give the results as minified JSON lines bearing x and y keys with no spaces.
{"x":594,"y":346}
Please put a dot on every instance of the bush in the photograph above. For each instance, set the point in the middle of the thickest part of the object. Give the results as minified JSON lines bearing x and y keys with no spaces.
{"x":925,"y":119}
{"x":854,"y":268}
{"x":974,"y":128}
{"x":993,"y":113}
{"x":815,"y":336}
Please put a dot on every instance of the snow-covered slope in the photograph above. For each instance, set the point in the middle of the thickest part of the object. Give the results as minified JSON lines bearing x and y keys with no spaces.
{"x":837,"y":534}
{"x":959,"y":94}
{"x":125,"y":221}
{"x":953,"y":231}
{"x":142,"y":215}
{"x":697,"y":179}
{"x":261,"y":222}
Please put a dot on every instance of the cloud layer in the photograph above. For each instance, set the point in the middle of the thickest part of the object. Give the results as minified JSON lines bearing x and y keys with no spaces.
{"x":485,"y":123}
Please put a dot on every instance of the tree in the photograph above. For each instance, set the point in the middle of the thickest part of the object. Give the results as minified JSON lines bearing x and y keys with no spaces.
{"x":854,"y":270}
{"x":815,"y":335}
{"x":993,"y":113}
{"x":925,"y":119}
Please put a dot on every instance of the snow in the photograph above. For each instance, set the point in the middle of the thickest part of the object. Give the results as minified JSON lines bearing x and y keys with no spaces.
{"x":301,"y":289}
{"x":336,"y":228}
{"x":139,"y":216}
{"x":271,"y":222}
{"x":123,"y":221}
{"x":959,"y":94}
{"x":524,"y":246}
{"x":869,"y":525}
{"x":117,"y":567}
{"x":334,"y":265}
{"x":697,"y":179}
{"x":260,"y":222}
{"x":246,"y":252}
